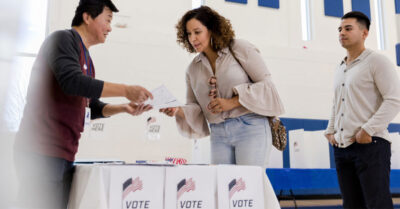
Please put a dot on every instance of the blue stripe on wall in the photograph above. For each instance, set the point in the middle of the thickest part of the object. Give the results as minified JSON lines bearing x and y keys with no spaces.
{"x":394,"y":127}
{"x":398,"y":54}
{"x":333,"y":8}
{"x":238,"y":1}
{"x":269,"y":3}
{"x":288,"y":181}
{"x":362,"y":6}
{"x":315,"y":125}
{"x":397,"y":5}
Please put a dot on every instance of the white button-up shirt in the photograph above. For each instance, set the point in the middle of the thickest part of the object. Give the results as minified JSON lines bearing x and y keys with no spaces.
{"x":367,"y":96}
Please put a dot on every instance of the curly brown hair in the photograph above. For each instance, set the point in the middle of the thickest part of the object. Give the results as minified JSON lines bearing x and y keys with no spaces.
{"x":222,"y":33}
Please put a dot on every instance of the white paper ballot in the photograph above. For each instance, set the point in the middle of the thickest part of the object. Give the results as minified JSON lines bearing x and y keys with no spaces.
{"x":162,"y":98}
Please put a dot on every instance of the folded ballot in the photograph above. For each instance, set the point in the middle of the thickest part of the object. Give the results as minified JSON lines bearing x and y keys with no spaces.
{"x":163,"y":98}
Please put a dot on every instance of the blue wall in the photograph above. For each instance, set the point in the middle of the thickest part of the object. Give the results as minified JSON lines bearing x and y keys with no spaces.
{"x":333,"y":8}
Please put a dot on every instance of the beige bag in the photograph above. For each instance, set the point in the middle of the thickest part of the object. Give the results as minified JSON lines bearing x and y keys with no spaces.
{"x":278,"y":130}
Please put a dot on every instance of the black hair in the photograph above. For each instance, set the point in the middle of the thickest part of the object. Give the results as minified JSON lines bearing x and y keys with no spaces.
{"x":93,"y":8}
{"x":361,"y":18}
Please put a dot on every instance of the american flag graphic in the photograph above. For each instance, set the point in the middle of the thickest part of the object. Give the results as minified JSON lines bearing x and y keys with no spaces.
{"x":185,"y":186}
{"x":236,"y":186}
{"x":176,"y":161}
{"x":131,"y":185}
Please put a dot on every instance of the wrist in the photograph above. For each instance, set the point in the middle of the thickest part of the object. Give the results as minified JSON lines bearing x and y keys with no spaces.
{"x":179,"y":113}
{"x":235,"y":102}
{"x":367,"y":130}
{"x":122,"y":108}
{"x":125,"y":90}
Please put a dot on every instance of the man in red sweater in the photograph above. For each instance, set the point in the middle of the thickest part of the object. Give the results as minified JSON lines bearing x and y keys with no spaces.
{"x":62,"y":94}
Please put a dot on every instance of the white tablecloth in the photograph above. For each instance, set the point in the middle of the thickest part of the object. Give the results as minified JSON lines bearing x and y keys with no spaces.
{"x":91,"y":188}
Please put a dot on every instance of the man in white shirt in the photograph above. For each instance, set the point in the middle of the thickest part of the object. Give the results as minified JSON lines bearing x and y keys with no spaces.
{"x":367,"y":98}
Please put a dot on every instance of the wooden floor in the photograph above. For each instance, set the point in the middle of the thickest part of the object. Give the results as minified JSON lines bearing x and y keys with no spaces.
{"x":316,"y":203}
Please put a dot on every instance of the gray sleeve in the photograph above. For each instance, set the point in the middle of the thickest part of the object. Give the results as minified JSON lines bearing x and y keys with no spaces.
{"x":96,"y":107}
{"x":388,"y":83}
{"x":330,"y":129}
{"x":62,"y":52}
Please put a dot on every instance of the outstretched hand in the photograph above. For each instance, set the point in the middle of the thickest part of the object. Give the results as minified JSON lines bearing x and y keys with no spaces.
{"x":137,"y":94}
{"x":136,"y":109}
{"x":170,"y":111}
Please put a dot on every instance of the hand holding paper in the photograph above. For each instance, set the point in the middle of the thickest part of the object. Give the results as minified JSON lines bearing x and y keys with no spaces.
{"x":163,"y":98}
{"x":137,"y":94}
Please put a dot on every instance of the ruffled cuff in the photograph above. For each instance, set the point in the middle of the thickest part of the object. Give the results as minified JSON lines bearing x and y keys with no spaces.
{"x":261,"y":98}
{"x":194,"y":125}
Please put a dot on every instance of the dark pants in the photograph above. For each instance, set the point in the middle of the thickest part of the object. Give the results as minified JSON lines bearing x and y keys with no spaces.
{"x":44,"y":182}
{"x":364,"y":173}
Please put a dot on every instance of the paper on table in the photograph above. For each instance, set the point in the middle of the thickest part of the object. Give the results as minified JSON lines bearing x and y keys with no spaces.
{"x":163,"y":98}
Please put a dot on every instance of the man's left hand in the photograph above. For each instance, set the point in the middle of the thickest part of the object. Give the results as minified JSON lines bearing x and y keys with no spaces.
{"x":362,"y":137}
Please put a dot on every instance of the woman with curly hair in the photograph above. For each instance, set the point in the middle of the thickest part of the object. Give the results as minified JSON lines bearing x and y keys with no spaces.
{"x":229,"y":91}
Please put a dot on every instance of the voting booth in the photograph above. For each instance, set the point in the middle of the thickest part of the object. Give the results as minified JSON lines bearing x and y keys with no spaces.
{"x":308,"y":149}
{"x":105,"y":186}
{"x":395,"y":146}
{"x":136,"y":187}
{"x":190,"y":187}
{"x":240,"y":187}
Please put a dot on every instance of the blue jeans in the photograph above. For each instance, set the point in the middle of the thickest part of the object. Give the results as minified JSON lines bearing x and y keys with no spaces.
{"x":245,"y":140}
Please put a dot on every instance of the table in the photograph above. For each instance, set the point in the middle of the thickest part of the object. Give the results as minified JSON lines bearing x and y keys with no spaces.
{"x":91,"y":187}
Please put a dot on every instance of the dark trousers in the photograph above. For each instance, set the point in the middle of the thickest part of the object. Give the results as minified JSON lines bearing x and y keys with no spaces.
{"x":44,"y":182}
{"x":364,"y":173}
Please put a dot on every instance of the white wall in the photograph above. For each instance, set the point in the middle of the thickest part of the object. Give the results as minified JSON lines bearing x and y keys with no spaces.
{"x":304,"y":76}
{"x":146,"y":53}
{"x":10,"y":13}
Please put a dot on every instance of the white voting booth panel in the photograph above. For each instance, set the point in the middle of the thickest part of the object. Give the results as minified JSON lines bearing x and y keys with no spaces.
{"x":190,"y":187}
{"x":275,"y":159}
{"x":136,"y":187}
{"x":395,"y":159}
{"x":105,"y":186}
{"x":308,"y":149}
{"x":240,"y":187}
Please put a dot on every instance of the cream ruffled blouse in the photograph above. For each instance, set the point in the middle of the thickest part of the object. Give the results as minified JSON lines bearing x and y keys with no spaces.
{"x":252,"y":83}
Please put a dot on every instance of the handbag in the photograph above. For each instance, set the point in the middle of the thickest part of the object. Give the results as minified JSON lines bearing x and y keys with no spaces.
{"x":278,"y":130}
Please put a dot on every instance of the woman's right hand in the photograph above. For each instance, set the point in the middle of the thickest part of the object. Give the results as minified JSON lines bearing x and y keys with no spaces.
{"x":170,"y":111}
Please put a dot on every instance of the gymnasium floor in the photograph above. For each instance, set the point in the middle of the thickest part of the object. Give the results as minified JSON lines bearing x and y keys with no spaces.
{"x":323,"y":204}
